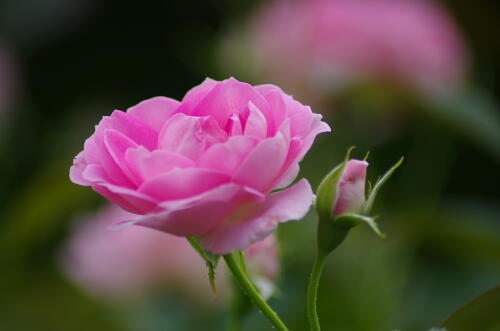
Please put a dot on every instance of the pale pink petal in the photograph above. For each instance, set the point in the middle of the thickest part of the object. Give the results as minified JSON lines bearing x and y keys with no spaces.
{"x":220,"y":157}
{"x":256,"y":124}
{"x":286,"y":129}
{"x":227,"y":157}
{"x":264,"y":164}
{"x":117,"y":145}
{"x":182,"y":134}
{"x":155,"y":111}
{"x":299,"y":147}
{"x":95,"y":174}
{"x":351,"y":188}
{"x":182,"y":183}
{"x":76,"y":170}
{"x":90,"y":150}
{"x":254,"y":222}
{"x":288,"y":176}
{"x":242,"y":145}
{"x":227,"y":98}
{"x":96,"y":152}
{"x":266,"y":88}
{"x":235,"y":127}
{"x":130,"y":200}
{"x":197,"y":215}
{"x":195,"y":95}
{"x":274,"y":97}
{"x":317,"y":127}
{"x":150,"y":164}
{"x":212,"y":133}
{"x":131,"y":127}
{"x":300,"y":116}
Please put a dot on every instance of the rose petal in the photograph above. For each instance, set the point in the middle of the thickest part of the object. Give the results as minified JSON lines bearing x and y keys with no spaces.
{"x":253,"y":222}
{"x":117,"y":145}
{"x":132,"y":127}
{"x":95,"y":174}
{"x":276,"y":102}
{"x":182,"y":183}
{"x":76,"y":170}
{"x":227,"y":157}
{"x":228,"y":98}
{"x":288,"y":176}
{"x":197,"y":215}
{"x":151,"y":164}
{"x":130,"y":200}
{"x":256,"y":124}
{"x":195,"y":95}
{"x":155,"y":111}
{"x":264,"y":164}
{"x":182,"y":134}
{"x":235,"y":127}
{"x":351,"y":188}
{"x":97,"y":153}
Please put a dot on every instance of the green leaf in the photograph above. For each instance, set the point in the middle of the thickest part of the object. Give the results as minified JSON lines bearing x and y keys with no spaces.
{"x":327,"y":190}
{"x":482,"y":313}
{"x":211,"y":260}
{"x":378,"y":185}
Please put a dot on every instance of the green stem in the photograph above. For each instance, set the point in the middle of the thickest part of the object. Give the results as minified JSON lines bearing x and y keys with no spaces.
{"x":312,"y":292}
{"x":232,"y":261}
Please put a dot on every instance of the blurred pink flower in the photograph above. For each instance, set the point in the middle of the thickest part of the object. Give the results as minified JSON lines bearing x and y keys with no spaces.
{"x":205,"y":166}
{"x":128,"y":264}
{"x":322,"y":44}
{"x":262,"y":262}
{"x":351,"y":188}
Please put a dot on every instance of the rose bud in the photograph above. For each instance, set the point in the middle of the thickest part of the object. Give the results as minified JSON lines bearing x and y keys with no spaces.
{"x":207,"y":166}
{"x":341,"y":202}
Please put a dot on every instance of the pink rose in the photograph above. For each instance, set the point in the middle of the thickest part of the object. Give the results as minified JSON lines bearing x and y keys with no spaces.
{"x":351,"y":188}
{"x":315,"y":44}
{"x":205,"y":166}
{"x":128,"y":264}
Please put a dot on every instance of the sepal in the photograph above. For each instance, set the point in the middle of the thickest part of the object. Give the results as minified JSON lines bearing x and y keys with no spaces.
{"x":378,"y":185}
{"x":326,"y":195}
{"x":211,"y":260}
{"x":354,"y":219}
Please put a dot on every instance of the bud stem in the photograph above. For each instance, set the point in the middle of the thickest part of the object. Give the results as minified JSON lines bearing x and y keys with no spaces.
{"x":312,"y":291}
{"x":232,"y":261}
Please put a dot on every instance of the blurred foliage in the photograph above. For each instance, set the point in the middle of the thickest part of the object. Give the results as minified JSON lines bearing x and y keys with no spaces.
{"x":479,"y":314}
{"x":81,"y":59}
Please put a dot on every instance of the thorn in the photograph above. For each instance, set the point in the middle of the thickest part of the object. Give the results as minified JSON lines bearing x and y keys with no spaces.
{"x":213,"y":287}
